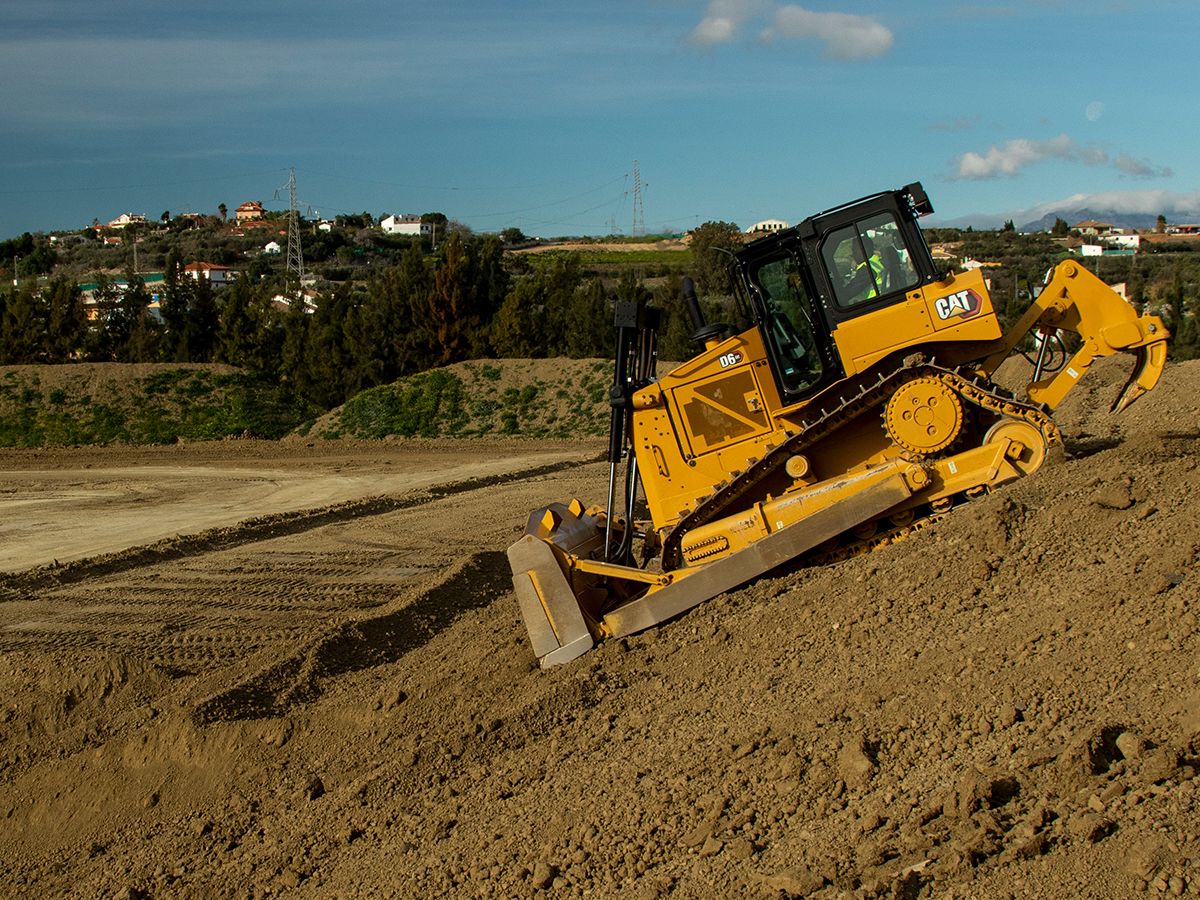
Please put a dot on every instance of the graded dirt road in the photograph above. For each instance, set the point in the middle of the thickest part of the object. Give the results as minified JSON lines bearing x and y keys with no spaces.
{"x":68,"y":505}
{"x":340,"y":702}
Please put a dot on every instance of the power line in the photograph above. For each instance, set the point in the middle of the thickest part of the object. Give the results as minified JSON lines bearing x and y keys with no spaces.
{"x":295,"y":257}
{"x":639,"y":215}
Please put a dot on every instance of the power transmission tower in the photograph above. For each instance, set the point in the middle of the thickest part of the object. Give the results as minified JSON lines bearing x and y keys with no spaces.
{"x":295,"y":257}
{"x":639,"y":216}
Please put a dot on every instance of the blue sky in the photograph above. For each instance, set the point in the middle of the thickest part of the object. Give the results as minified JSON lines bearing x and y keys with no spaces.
{"x":531,"y":114}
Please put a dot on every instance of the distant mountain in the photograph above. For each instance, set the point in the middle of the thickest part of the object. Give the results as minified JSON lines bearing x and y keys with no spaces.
{"x":1128,"y":220}
{"x":1138,"y":221}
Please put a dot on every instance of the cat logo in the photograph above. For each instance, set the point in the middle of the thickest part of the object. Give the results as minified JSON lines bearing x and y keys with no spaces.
{"x":963,"y":305}
{"x":732,"y":358}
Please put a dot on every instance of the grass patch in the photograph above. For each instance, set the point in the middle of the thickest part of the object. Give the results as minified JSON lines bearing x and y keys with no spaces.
{"x":499,"y":397}
{"x":425,"y":405}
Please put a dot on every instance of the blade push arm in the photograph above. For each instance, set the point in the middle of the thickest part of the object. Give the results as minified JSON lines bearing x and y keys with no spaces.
{"x":1075,"y":300}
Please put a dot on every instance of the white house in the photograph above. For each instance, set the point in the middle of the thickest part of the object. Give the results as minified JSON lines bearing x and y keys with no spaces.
{"x":283,"y":303}
{"x":405,"y":224}
{"x":210,"y":272}
{"x":126,"y":219}
{"x":1128,"y":241}
{"x":969,"y":264}
{"x":767,"y":225}
{"x":273,"y":248}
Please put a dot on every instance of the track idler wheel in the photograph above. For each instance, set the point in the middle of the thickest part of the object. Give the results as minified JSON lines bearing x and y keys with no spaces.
{"x":1027,"y":449}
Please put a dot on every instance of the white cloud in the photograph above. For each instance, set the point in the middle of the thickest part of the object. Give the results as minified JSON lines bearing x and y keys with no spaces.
{"x":715,"y":30}
{"x":845,"y":36}
{"x":1012,"y":156}
{"x":724,"y":19}
{"x":1139,"y":168}
{"x":1153,"y":202}
{"x":1017,"y":154}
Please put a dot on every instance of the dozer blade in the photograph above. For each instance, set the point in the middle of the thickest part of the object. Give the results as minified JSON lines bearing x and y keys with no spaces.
{"x":757,"y":559}
{"x":552,"y":616}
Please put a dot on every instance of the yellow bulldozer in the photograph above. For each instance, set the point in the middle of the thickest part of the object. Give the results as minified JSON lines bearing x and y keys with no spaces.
{"x":854,"y":404}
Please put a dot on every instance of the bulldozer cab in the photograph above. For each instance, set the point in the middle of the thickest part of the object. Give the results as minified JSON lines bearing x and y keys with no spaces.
{"x":848,"y":262}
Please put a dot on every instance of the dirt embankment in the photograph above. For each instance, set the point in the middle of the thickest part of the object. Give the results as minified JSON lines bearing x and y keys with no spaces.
{"x":1006,"y":704}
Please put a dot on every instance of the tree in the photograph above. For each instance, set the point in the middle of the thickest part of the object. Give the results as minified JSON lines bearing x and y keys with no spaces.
{"x":295,"y":333}
{"x":1160,"y":224}
{"x":238,"y":324}
{"x":330,"y":373}
{"x":39,"y":259}
{"x":222,"y":211}
{"x":590,"y":317}
{"x":448,"y":313}
{"x":437,"y":220}
{"x":534,"y":319}
{"x":67,"y":324}
{"x":490,"y":279}
{"x":23,"y":328}
{"x":137,"y":333}
{"x":713,"y":243}
{"x":1061,"y":227}
{"x":100,"y":343}
{"x":380,"y":335}
{"x":449,"y":321}
{"x":1009,"y":226}
{"x":173,"y":306}
{"x":518,"y":328}
{"x":202,"y":323}
{"x":410,"y":294}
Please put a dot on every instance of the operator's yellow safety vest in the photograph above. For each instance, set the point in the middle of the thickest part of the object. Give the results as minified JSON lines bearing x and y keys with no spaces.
{"x":876,"y":265}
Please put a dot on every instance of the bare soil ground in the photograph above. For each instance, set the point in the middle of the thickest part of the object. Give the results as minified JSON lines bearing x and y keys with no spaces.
{"x":65,"y":506}
{"x":334,"y":698}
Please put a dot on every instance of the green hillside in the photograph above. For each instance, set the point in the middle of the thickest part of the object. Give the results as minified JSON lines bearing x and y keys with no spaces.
{"x":104,"y":403}
{"x":559,"y":398}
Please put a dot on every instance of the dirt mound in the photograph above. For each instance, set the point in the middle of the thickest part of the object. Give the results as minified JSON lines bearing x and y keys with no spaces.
{"x":536,"y":398}
{"x":1005,"y":704}
{"x":557,"y":398}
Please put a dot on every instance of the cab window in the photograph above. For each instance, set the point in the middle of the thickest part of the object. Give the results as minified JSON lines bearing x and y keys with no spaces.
{"x":787,"y":325}
{"x":866,"y":260}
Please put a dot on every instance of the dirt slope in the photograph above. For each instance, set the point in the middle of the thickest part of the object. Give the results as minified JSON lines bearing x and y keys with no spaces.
{"x":1007,"y":704}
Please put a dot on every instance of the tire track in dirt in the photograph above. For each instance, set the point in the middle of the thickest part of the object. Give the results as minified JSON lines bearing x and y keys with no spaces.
{"x":24,"y":585}
{"x":232,"y":603}
{"x":371,"y":641}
